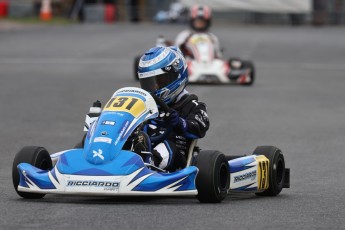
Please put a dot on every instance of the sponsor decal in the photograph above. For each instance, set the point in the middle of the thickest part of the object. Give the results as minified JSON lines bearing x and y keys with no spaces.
{"x":108,"y":123}
{"x":204,"y":115}
{"x":107,"y":185}
{"x":119,"y":114}
{"x":163,"y":93}
{"x":195,"y":102}
{"x":132,"y":91}
{"x":103,"y":139}
{"x":98,"y":154}
{"x":198,"y":118}
{"x":150,"y":73}
{"x":180,"y":138}
{"x":124,"y":127}
{"x":152,"y":126}
{"x":246,"y":176}
{"x":91,"y":129}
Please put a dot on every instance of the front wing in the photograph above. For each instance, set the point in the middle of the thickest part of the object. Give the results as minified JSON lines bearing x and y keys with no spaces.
{"x":141,"y":182}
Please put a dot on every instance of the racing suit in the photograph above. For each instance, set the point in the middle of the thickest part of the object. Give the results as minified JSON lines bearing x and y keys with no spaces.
{"x":171,"y":154}
{"x":183,"y":37}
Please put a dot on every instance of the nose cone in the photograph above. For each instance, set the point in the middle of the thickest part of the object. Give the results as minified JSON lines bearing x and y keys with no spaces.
{"x":99,"y":153}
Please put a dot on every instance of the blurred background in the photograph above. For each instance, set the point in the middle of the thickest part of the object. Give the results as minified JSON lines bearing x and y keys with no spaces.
{"x":288,"y":12}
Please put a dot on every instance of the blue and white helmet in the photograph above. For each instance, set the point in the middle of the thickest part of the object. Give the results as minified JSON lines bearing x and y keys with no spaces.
{"x":163,"y":71}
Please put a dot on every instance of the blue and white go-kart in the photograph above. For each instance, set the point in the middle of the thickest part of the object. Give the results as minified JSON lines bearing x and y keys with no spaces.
{"x":102,"y":166}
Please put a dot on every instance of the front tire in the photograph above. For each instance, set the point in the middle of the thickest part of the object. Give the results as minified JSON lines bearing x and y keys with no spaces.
{"x":276,"y":173}
{"x":213,"y":179}
{"x":36,"y":156}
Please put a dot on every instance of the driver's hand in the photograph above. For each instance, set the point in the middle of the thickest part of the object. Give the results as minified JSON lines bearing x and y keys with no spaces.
{"x":173,"y":120}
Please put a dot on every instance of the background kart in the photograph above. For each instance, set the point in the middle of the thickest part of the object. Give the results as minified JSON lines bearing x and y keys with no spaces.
{"x":102,"y":166}
{"x":205,"y":67}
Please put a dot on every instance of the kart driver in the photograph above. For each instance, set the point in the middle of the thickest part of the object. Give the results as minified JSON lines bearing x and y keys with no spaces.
{"x":163,"y":71}
{"x":200,"y":22}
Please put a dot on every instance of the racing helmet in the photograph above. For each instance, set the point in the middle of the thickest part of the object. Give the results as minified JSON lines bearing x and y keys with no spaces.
{"x":200,"y":17}
{"x":163,"y":71}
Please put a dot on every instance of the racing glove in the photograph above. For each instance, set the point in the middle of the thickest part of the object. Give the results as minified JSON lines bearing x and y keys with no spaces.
{"x":173,"y":120}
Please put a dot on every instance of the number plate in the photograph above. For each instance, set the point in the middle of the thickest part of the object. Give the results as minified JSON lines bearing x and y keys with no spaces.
{"x":132,"y":105}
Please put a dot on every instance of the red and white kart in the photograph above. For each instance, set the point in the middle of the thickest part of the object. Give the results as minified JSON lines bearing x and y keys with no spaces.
{"x":205,"y":67}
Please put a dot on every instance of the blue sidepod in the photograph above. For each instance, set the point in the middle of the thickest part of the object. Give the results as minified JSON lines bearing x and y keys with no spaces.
{"x":240,"y":164}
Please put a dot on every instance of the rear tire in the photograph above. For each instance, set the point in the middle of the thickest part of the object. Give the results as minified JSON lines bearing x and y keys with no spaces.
{"x":213,"y":179}
{"x":36,"y":156}
{"x":276,"y":175}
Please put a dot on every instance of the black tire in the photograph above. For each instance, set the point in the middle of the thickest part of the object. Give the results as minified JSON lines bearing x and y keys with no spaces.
{"x":276,"y":174}
{"x":213,"y":179}
{"x":249,"y":65}
{"x":36,"y":156}
{"x":80,"y":145}
{"x":135,"y":67}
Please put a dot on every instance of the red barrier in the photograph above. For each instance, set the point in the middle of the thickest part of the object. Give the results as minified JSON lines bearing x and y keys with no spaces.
{"x":3,"y":9}
{"x":109,"y":13}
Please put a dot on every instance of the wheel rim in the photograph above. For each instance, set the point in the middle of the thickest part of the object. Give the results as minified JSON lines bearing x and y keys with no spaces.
{"x":44,"y":165}
{"x":223,"y":177}
{"x":279,"y":171}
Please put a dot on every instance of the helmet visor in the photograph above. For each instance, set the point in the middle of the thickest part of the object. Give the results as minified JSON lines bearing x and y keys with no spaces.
{"x":151,"y":84}
{"x":199,"y":23}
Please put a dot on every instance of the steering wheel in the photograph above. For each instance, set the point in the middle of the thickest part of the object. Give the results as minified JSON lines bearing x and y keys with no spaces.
{"x":163,"y":107}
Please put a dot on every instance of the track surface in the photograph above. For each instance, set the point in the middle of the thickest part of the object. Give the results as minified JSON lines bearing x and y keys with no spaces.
{"x":50,"y":76}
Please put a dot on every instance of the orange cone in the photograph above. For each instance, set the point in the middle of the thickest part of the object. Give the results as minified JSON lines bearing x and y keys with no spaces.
{"x":46,"y":10}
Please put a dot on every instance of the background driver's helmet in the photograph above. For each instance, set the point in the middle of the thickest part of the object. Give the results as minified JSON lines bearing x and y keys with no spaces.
{"x":163,"y":71}
{"x":200,"y":12}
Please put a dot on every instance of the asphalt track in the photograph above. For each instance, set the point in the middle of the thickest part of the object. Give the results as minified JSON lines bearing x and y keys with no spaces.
{"x":49,"y":76}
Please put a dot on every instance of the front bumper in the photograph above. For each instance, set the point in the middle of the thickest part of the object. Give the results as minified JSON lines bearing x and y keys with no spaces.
{"x":141,"y":182}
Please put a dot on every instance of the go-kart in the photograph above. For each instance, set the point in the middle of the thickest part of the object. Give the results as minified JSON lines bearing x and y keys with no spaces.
{"x":103,"y":167}
{"x":205,"y":67}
